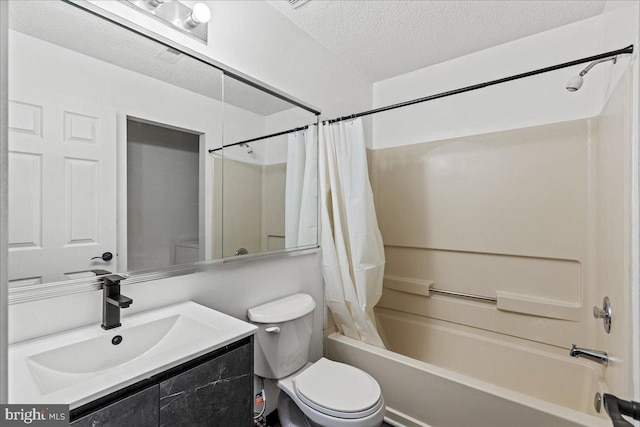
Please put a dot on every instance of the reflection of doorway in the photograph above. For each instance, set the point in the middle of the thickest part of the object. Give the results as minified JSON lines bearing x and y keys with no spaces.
{"x":62,"y":184}
{"x":163,"y":194}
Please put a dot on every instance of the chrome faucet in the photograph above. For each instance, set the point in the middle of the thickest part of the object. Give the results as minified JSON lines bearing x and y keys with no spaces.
{"x":597,"y":356}
{"x":112,"y":301}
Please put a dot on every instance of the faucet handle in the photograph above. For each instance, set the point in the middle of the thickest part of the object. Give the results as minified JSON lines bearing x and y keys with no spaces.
{"x":604,"y":313}
{"x":120,"y":301}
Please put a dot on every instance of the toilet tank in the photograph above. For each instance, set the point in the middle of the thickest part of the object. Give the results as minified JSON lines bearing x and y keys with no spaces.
{"x":283,"y":339}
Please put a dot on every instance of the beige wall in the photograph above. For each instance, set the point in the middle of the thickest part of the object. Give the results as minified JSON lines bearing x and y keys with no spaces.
{"x":613,"y":233}
{"x":241,"y":216}
{"x":535,"y":216}
{"x":273,"y":206}
{"x":253,"y":216}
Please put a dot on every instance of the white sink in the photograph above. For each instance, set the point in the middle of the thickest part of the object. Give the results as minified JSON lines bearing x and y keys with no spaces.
{"x":78,"y":366}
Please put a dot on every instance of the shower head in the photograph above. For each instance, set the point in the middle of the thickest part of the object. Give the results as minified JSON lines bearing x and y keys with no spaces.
{"x":248,"y":147}
{"x":576,"y":82}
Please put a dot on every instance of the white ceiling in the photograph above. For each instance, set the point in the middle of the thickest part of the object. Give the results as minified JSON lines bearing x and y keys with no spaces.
{"x":382,"y":39}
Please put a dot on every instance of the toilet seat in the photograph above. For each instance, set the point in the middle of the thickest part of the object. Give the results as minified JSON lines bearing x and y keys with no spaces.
{"x":338,"y":390}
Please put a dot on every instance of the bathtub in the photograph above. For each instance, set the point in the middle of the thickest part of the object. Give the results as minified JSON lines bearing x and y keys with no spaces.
{"x":530,"y":389}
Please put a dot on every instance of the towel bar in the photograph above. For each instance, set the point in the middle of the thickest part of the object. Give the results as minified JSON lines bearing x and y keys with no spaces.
{"x":464,"y":295}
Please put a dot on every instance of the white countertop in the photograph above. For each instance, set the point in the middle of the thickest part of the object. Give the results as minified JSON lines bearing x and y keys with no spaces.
{"x":78,"y":366}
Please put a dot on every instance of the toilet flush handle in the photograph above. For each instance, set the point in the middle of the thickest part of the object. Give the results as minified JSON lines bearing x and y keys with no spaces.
{"x":273,"y":330}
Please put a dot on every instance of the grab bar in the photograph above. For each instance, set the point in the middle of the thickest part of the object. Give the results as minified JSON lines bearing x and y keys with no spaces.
{"x":504,"y":301}
{"x":463,"y":295}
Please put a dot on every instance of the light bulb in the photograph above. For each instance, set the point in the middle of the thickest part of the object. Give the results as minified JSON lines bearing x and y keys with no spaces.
{"x":200,"y":14}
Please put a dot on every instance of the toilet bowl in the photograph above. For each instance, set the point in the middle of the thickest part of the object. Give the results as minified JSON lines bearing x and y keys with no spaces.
{"x":320,"y":394}
{"x":330,"y":394}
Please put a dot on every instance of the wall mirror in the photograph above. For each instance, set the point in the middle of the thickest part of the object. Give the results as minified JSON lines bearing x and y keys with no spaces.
{"x":115,"y":160}
{"x":270,"y":174}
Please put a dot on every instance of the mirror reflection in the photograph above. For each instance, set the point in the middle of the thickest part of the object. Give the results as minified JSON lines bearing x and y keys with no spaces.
{"x":270,"y":194}
{"x":110,"y":136}
{"x":269,"y":175}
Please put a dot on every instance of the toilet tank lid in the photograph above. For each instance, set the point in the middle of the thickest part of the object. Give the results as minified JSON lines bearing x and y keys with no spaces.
{"x":283,"y":309}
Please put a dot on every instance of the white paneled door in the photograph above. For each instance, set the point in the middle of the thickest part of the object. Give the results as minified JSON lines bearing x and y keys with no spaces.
{"x":62,"y":188}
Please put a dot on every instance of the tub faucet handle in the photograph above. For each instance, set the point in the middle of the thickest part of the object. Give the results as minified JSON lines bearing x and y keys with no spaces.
{"x":604,"y":313}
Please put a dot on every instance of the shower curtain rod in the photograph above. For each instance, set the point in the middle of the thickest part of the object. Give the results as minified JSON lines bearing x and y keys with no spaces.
{"x":284,"y":132}
{"x":626,"y":50}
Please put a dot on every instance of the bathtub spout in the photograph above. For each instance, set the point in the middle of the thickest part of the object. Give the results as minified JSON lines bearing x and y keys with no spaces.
{"x":597,"y":356}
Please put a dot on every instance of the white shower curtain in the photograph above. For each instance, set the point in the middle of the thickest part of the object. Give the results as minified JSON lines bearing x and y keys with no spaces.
{"x":301,"y":191}
{"x":352,"y":250}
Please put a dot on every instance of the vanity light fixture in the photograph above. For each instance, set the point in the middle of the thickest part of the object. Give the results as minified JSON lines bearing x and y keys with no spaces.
{"x":200,"y":14}
{"x":189,"y":20}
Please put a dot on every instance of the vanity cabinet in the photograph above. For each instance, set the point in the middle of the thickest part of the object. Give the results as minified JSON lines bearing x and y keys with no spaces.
{"x":139,"y":409}
{"x":214,"y":390}
{"x":216,"y":393}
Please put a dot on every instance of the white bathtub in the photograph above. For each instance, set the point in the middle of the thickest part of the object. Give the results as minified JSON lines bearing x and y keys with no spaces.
{"x":535,"y":390}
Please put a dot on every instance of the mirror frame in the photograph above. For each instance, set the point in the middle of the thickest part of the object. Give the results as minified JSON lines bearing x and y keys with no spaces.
{"x":29,"y":293}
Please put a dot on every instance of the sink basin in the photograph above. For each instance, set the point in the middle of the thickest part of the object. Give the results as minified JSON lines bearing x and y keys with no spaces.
{"x":99,"y":354}
{"x":78,"y":366}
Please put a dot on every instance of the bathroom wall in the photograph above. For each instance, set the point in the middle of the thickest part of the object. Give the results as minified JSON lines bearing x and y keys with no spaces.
{"x":321,"y":79}
{"x":518,"y":191}
{"x":4,"y":234}
{"x":285,"y":57}
{"x":528,"y":102}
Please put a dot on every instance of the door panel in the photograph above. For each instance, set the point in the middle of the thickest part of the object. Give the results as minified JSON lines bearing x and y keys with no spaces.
{"x":62,"y":187}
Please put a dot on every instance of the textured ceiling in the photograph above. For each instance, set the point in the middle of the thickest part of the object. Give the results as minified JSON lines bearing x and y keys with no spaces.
{"x":382,"y":39}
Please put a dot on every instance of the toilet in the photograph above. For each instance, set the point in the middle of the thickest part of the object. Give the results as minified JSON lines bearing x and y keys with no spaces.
{"x":320,"y":394}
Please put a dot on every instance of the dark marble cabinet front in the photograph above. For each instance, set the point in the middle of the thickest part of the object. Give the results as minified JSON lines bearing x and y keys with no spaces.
{"x":216,"y":390}
{"x":139,"y":409}
{"x":215,"y":394}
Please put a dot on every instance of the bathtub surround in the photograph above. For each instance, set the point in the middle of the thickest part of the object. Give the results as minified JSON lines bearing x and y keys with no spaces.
{"x":548,"y":235}
{"x":352,"y":251}
{"x":614,"y":161}
{"x":535,"y":217}
{"x":420,"y":394}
